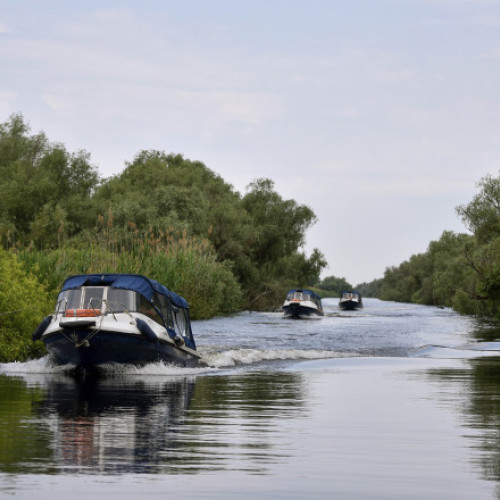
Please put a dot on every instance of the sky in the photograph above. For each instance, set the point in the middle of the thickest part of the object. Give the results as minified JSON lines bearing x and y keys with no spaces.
{"x":380,"y":115}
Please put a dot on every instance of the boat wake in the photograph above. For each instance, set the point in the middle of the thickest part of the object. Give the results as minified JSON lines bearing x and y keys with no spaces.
{"x":465,"y":351}
{"x":238,"y":357}
{"x":213,"y":360}
{"x":35,"y":366}
{"x":44,"y":366}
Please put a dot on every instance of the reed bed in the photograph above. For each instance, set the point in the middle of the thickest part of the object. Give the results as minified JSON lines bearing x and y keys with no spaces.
{"x":185,"y":264}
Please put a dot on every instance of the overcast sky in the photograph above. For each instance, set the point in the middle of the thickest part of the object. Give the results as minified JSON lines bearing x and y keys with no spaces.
{"x":381,"y":115}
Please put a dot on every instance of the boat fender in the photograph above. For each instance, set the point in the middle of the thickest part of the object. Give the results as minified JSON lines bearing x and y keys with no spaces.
{"x":171,"y":333}
{"x":37,"y":334}
{"x":146,"y":330}
{"x":178,"y":340}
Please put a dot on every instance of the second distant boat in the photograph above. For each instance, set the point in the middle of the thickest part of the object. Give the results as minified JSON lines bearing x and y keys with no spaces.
{"x":302,"y":304}
{"x":350,"y":300}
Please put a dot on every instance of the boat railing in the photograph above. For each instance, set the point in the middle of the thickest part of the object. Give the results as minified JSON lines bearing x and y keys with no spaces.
{"x":97,"y":310}
{"x":58,"y":307}
{"x":116,"y":305}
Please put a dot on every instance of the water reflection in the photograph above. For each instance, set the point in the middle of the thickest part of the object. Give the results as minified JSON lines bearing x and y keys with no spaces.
{"x":476,"y":386}
{"x":486,"y":331}
{"x":21,"y":433}
{"x":172,"y":425}
{"x":484,"y":413}
{"x":110,"y":425}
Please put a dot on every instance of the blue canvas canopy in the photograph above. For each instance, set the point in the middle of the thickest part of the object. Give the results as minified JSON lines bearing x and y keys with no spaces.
{"x":134,"y":282}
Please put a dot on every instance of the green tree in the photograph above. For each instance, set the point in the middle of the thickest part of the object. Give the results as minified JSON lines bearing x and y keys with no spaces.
{"x":482,"y":215}
{"x":45,"y":191}
{"x":371,"y":289}
{"x":181,"y":194}
{"x":432,"y":277}
{"x":280,"y":227}
{"x":24,"y":302}
{"x":334,"y":284}
{"x":482,"y":253}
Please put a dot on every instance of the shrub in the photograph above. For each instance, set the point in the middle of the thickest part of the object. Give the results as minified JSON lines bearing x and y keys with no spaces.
{"x":24,"y":302}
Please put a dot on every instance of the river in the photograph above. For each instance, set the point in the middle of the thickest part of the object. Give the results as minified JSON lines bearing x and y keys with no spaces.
{"x":394,"y":401}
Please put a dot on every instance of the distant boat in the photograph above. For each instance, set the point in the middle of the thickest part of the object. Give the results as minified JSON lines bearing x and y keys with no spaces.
{"x":302,"y":304}
{"x":350,"y":300}
{"x":118,"y":318}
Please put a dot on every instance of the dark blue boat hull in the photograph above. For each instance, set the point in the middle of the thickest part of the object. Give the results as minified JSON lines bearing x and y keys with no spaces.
{"x":112,"y":347}
{"x":298,"y":311}
{"x":350,"y":305}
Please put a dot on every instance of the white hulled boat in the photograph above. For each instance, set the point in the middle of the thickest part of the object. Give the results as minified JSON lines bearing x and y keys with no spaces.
{"x":118,"y":318}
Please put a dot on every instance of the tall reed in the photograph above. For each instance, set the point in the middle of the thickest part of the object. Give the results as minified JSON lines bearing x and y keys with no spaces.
{"x":185,"y":264}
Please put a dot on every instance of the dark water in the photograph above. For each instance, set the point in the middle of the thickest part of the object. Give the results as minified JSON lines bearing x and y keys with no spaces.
{"x":394,"y":401}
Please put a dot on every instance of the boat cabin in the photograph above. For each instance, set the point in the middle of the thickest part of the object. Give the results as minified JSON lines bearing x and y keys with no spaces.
{"x":113,"y":294}
{"x":304,"y":296}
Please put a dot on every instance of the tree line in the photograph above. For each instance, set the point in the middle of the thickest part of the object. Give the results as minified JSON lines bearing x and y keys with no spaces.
{"x":460,"y":270}
{"x":178,"y":222}
{"x":164,"y":216}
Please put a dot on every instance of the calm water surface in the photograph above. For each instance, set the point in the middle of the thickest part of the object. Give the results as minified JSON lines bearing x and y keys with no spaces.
{"x":394,"y":401}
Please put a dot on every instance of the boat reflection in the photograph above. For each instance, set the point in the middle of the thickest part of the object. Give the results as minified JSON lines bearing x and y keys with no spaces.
{"x":153,"y":424}
{"x":112,"y":425}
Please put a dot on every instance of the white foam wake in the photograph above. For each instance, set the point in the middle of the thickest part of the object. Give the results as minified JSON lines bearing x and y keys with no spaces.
{"x":42,"y":365}
{"x":237,"y":357}
{"x":212,"y":360}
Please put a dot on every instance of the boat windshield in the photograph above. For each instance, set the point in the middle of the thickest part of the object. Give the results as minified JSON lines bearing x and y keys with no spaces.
{"x":82,"y":298}
{"x":121,"y":300}
{"x":181,"y":321}
{"x":107,"y":300}
{"x":298,"y":296}
{"x":100,"y":298}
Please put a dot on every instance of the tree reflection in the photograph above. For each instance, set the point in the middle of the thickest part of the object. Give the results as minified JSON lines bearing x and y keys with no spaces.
{"x":477,"y":385}
{"x":21,"y":434}
{"x":487,"y":330}
{"x":484,"y":412}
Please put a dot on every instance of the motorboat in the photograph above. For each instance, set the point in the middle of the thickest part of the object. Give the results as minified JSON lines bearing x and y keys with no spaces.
{"x":302,"y":304}
{"x":350,"y":300}
{"x":118,"y":318}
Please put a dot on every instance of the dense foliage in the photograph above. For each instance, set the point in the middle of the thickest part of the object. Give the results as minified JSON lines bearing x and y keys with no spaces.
{"x":46,"y":192}
{"x":23,"y":300}
{"x":164,"y":216}
{"x":371,"y":289}
{"x":334,"y":284}
{"x":459,"y":270}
